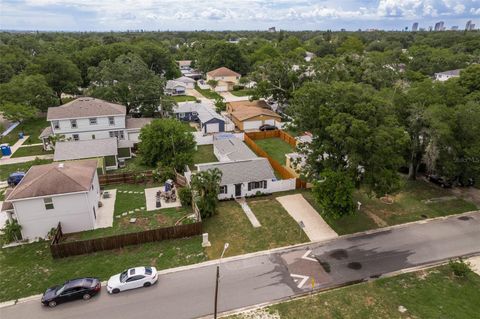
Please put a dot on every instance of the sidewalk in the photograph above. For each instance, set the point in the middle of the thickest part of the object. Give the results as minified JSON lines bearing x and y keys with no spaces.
{"x":16,"y":160}
{"x":250,"y":215}
{"x":16,"y":146}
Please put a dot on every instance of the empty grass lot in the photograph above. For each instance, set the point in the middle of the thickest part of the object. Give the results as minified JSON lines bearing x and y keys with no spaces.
{"x":33,"y":128}
{"x":231,"y":225}
{"x":30,"y":151}
{"x":275,"y":147}
{"x":6,"y":170}
{"x":435,"y":293}
{"x":203,"y":154}
{"x":242,"y":92}
{"x":209,"y":94}
{"x":30,"y":269}
{"x":409,"y":205}
{"x":184,"y":98}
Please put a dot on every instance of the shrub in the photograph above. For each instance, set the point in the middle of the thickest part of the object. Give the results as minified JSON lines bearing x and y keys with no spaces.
{"x":185,"y":194}
{"x":459,"y":267}
{"x":12,"y":231}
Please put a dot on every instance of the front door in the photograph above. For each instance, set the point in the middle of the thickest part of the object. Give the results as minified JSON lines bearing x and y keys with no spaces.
{"x":238,"y":190}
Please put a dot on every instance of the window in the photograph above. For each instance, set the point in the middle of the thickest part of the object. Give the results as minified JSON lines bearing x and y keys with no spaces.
{"x":223,"y":189}
{"x":73,"y":123}
{"x":75,"y":137}
{"x":48,"y":203}
{"x":93,"y":136}
{"x":117,"y":134}
{"x":257,"y":185}
{"x":182,"y":115}
{"x":56,"y":125}
{"x":111,"y":120}
{"x":93,"y":121}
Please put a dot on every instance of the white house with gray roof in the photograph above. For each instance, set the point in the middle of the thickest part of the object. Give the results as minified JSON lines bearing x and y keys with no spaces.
{"x":88,"y":118}
{"x":247,"y":178}
{"x":446,"y":75}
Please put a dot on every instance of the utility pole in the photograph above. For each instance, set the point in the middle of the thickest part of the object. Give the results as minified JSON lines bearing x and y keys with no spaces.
{"x":217,"y":279}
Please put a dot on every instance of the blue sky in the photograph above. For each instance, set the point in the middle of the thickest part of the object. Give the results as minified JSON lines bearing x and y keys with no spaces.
{"x":106,"y":15}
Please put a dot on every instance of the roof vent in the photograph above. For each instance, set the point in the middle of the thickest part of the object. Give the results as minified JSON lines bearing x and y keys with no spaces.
{"x":60,"y":165}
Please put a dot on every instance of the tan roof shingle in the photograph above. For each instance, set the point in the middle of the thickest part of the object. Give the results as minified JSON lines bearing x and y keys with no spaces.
{"x":85,"y":107}
{"x":244,"y":110}
{"x":223,"y":71}
{"x":55,"y":178}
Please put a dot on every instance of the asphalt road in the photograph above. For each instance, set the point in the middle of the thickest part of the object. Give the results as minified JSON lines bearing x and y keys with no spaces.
{"x":274,"y":275}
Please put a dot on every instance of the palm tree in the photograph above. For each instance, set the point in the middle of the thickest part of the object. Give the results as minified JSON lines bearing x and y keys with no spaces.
{"x":205,"y":187}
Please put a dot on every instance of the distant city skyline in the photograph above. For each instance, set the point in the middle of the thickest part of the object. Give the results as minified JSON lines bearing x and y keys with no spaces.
{"x":186,"y":15}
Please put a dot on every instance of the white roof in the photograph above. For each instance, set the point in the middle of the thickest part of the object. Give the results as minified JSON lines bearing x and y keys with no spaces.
{"x":185,"y":79}
{"x":72,"y":150}
{"x":187,"y":107}
{"x":206,"y":114}
{"x":171,"y":84}
{"x":234,"y":149}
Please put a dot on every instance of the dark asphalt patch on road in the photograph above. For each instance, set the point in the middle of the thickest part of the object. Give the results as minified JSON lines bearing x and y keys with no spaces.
{"x":339,"y":254}
{"x":354,"y":265}
{"x":465,"y":218}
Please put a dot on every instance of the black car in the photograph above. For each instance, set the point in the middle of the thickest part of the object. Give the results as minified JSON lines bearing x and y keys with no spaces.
{"x":81,"y":288}
{"x":442,"y":182}
{"x":267,"y":127}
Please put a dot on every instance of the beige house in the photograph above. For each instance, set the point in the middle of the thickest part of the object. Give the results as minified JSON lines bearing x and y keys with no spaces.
{"x":250,"y":115}
{"x":225,"y":77}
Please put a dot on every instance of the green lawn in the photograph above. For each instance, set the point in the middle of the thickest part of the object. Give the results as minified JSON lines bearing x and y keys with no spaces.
{"x":133,"y":164}
{"x":242,"y":92}
{"x":126,"y":202}
{"x":209,"y":94}
{"x":30,"y":151}
{"x":189,"y":127}
{"x":6,"y":170}
{"x":30,"y":269}
{"x":276,"y":148}
{"x":184,"y":98}
{"x":231,"y":225}
{"x":204,"y":154}
{"x":33,"y":128}
{"x":410,"y":205}
{"x":435,"y":293}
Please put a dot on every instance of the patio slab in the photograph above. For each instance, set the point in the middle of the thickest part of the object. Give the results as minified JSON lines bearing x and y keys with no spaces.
{"x":105,"y":213}
{"x":150,"y":199}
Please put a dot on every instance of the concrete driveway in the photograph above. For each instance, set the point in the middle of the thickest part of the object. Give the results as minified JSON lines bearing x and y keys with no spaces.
{"x":229,"y":97}
{"x":315,"y":227}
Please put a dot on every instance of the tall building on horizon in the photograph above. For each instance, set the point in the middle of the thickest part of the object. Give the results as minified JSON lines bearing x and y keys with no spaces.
{"x":469,"y":26}
{"x":272,"y":29}
{"x":415,"y":27}
{"x":439,"y":26}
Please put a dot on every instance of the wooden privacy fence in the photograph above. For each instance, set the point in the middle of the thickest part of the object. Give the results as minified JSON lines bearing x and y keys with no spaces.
{"x":61,"y":249}
{"x":284,"y":173}
{"x":271,"y":134}
{"x":125,"y":178}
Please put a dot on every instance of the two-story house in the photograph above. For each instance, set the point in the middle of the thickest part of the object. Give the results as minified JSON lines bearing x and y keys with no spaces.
{"x":88,"y":118}
{"x":225,"y":78}
{"x":58,"y":192}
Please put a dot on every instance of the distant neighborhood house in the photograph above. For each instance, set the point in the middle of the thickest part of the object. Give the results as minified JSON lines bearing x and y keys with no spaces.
{"x":444,"y":76}
{"x":67,"y":192}
{"x":175,"y":88}
{"x":225,"y":77}
{"x":250,"y":115}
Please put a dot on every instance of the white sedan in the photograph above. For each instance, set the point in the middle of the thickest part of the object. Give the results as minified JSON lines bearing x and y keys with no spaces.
{"x":132,"y":278}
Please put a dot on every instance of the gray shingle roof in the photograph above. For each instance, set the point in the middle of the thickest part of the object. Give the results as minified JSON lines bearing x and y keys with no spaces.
{"x":234,"y":149}
{"x":171,"y":84}
{"x":134,"y":122}
{"x":85,"y":107}
{"x":187,"y":107}
{"x":71,"y":150}
{"x":252,"y":170}
{"x":206,"y":114}
{"x":185,"y":79}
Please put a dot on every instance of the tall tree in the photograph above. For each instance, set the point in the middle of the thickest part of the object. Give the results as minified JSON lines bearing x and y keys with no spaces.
{"x":218,"y":54}
{"x":61,"y":74}
{"x":17,"y":112}
{"x":168,"y":143}
{"x":127,"y":81}
{"x":29,"y":90}
{"x":356,"y":135}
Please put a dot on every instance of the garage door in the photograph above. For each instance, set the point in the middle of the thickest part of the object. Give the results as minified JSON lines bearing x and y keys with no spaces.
{"x":251,"y":125}
{"x":221,"y":88}
{"x":271,"y":122}
{"x":212,"y":128}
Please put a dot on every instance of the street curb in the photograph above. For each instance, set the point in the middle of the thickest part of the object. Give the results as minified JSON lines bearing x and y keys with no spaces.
{"x":276,"y":250}
{"x":339,"y":286}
